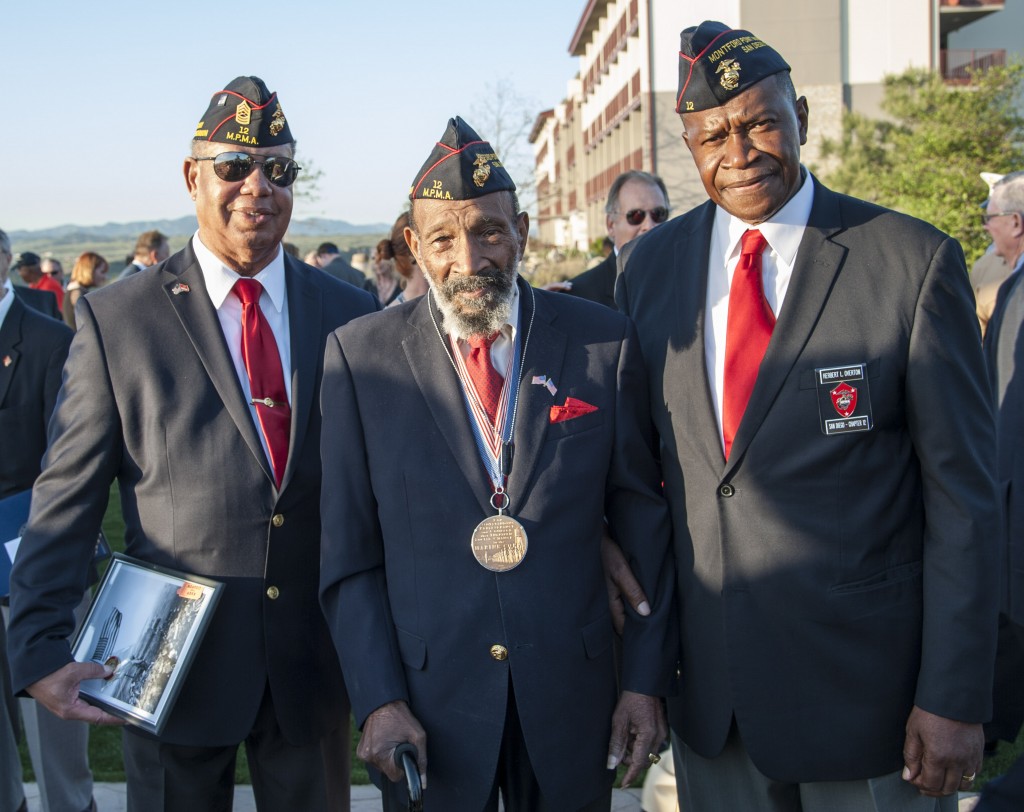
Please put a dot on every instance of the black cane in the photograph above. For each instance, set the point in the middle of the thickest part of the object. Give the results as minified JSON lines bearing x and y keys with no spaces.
{"x":406,"y":756}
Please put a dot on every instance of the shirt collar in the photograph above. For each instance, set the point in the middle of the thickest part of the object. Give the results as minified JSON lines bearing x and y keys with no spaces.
{"x":783,"y":231}
{"x":220,"y":279}
{"x":5,"y":303}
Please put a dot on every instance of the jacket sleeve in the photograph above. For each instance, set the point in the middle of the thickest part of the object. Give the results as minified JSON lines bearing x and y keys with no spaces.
{"x":353,"y":590}
{"x":69,"y":499}
{"x":953,"y":432}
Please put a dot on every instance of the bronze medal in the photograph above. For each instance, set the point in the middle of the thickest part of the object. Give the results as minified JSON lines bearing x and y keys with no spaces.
{"x":499,"y":543}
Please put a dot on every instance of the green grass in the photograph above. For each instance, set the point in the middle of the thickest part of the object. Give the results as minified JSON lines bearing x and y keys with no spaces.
{"x":105,"y":742}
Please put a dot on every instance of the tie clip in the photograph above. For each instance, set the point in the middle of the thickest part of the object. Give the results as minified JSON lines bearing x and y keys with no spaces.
{"x":266,"y":402}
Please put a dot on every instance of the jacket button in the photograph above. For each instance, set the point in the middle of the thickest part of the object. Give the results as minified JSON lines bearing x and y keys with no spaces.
{"x":499,"y":652}
{"x":278,"y":520}
{"x":273,"y":592}
{"x":726,"y":490}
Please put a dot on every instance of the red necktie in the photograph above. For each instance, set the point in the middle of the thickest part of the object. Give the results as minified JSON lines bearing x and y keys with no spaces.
{"x":747,"y":333}
{"x":266,"y":378}
{"x":486,"y":379}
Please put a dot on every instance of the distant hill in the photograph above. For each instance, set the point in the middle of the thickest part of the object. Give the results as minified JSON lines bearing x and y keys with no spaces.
{"x":182,"y":227}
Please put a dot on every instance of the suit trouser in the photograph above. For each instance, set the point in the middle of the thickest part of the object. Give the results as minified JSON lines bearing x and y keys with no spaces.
{"x":730,"y":781}
{"x":12,"y":792}
{"x":515,"y":780}
{"x":59,"y":748}
{"x":285,"y":777}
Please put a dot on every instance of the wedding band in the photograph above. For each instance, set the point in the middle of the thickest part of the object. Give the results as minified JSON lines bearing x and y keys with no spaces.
{"x":967,"y":779}
{"x":654,"y":758}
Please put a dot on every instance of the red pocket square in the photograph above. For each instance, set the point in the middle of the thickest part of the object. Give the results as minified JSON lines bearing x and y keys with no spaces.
{"x":572,"y":408}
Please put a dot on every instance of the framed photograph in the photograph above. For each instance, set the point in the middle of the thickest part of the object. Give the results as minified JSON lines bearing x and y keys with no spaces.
{"x":146,"y":622}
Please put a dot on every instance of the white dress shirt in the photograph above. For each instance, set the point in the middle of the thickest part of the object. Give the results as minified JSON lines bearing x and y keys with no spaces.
{"x":220,"y":279}
{"x":783,"y":232}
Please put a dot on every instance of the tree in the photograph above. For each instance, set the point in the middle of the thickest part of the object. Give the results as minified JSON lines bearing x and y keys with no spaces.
{"x":504,"y":119}
{"x":925,"y":157}
{"x":307,"y":184}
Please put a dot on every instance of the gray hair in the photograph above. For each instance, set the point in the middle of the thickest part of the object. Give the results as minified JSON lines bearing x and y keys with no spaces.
{"x":1008,"y":193}
{"x":612,"y":206}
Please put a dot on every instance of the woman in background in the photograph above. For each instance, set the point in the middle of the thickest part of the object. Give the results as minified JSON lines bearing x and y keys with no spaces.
{"x":89,"y":273}
{"x":405,"y":262}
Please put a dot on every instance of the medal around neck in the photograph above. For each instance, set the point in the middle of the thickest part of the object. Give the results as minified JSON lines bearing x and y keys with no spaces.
{"x":499,"y":543}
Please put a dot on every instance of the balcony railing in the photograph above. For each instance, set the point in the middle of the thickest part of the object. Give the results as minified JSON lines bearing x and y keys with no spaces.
{"x":958,"y":65}
{"x":971,"y":3}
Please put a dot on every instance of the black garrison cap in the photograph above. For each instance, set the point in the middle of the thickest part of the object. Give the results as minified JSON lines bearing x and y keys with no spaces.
{"x":25,"y":259}
{"x":460,"y":167}
{"x":717,"y":62}
{"x":244,"y":113}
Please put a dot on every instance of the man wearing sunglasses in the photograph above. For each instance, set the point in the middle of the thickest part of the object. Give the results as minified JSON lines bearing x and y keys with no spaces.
{"x":195,"y":385}
{"x":637,"y":202}
{"x":828,"y":449}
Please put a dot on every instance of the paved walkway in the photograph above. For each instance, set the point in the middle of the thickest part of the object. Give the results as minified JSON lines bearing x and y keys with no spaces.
{"x":111,"y":798}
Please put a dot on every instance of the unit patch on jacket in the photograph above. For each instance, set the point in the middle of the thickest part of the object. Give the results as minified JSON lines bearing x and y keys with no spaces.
{"x":844,"y":400}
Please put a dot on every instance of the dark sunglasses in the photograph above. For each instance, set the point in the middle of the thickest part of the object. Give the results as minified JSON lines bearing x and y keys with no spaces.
{"x":236,"y":166}
{"x":986,"y":218}
{"x":659,"y":214}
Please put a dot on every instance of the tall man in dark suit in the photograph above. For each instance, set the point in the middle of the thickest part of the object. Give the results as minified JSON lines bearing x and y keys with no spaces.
{"x":466,"y":536}
{"x":637,"y":202}
{"x":41,"y":300}
{"x":1004,"y":350}
{"x":195,"y":386}
{"x":827,"y":443}
{"x":32,"y":353}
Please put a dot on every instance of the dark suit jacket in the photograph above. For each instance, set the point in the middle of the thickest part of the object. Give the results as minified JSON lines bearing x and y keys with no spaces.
{"x":1010,"y":441}
{"x":827,"y":583}
{"x":597,"y":284}
{"x":32,"y":353}
{"x":42,"y":300}
{"x":340,"y":269}
{"x":404,"y":488}
{"x":151,"y":399}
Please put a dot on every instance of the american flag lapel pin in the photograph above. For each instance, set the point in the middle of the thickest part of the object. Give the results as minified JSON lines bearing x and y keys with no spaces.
{"x":7,"y":361}
{"x":179,"y":287}
{"x":546,"y":382}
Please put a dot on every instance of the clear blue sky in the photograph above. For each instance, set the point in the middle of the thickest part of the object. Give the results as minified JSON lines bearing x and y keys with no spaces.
{"x":100,"y":99}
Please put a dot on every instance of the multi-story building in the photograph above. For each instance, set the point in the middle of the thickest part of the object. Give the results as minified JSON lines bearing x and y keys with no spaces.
{"x":619,"y":111}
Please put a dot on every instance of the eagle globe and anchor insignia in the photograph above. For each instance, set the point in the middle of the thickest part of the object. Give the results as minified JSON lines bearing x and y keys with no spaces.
{"x":730,"y":70}
{"x":844,"y":399}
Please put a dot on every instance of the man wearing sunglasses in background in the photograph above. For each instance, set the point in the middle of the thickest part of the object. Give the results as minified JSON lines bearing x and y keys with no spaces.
{"x":195,"y":385}
{"x":637,"y":202}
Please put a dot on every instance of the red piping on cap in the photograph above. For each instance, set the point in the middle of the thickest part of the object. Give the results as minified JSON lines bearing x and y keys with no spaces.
{"x":693,"y":62}
{"x":252,"y":104}
{"x":440,"y":161}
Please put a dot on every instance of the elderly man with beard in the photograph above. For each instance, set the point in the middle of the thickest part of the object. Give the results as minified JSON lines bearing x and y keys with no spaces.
{"x":466,"y":539}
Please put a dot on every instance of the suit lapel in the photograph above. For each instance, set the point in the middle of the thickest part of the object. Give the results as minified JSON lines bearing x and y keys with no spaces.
{"x":685,"y":321}
{"x":10,"y":338}
{"x":434,"y":374}
{"x":818,"y":260}
{"x":305,"y":320}
{"x":544,"y":355}
{"x":185,"y":289}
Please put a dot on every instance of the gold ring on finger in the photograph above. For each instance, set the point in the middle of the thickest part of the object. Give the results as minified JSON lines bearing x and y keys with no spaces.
{"x":654,"y":758}
{"x":969,"y":779}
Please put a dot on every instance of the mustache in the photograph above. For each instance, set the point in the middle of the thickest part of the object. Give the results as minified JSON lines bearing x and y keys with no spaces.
{"x":490,"y":278}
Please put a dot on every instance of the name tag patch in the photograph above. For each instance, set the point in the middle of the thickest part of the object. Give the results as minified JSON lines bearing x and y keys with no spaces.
{"x":844,"y":399}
